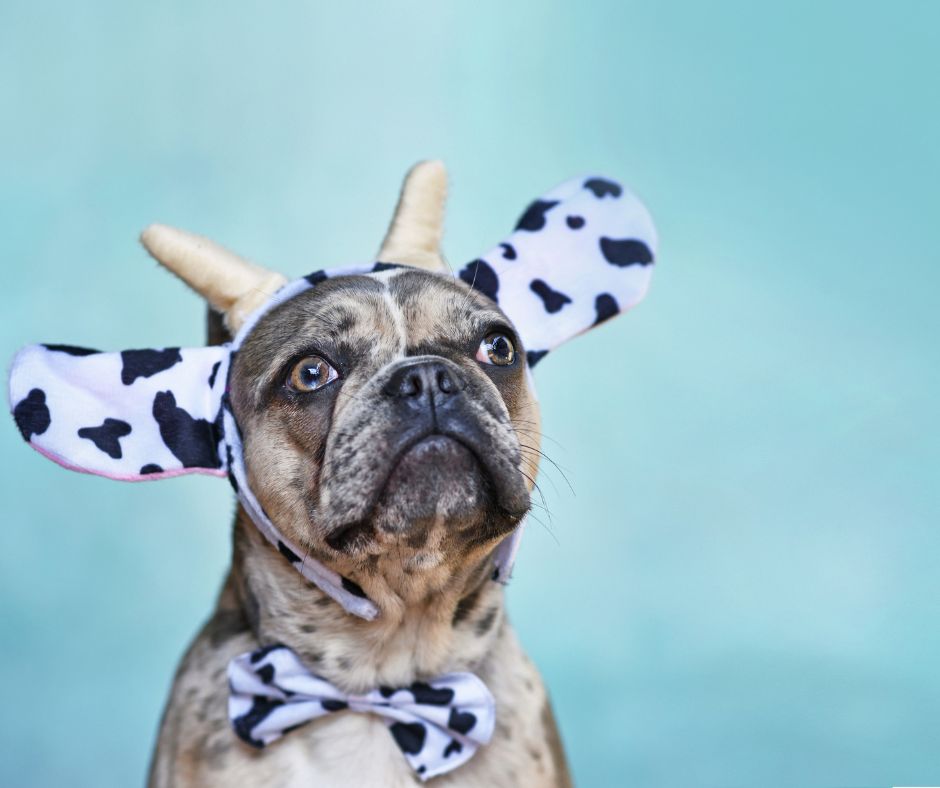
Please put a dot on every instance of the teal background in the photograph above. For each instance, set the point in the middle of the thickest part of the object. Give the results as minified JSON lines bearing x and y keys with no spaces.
{"x":744,"y":589}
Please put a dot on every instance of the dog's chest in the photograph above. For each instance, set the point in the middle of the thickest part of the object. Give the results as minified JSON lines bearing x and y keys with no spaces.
{"x":345,"y":750}
{"x":351,"y":750}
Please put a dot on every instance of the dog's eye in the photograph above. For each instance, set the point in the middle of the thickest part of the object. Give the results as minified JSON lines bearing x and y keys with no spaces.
{"x":496,"y":349}
{"x":311,"y":373}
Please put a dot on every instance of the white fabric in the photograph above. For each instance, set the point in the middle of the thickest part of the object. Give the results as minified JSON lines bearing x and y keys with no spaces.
{"x":438,"y":725}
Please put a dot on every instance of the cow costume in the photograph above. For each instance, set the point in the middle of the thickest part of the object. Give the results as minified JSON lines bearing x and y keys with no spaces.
{"x":579,"y":255}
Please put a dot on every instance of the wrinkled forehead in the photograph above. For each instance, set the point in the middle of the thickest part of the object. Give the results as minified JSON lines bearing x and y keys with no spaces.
{"x":369,"y":317}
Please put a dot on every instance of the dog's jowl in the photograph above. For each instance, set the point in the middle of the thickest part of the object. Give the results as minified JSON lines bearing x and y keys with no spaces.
{"x":381,"y":433}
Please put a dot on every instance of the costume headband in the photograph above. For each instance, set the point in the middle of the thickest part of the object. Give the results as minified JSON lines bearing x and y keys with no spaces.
{"x":579,"y":255}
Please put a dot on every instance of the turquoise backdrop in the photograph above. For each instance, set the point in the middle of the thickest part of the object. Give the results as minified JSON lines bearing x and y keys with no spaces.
{"x":744,"y":588}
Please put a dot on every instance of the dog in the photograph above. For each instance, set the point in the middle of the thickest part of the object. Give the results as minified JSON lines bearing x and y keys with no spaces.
{"x":381,"y":430}
{"x":402,"y":478}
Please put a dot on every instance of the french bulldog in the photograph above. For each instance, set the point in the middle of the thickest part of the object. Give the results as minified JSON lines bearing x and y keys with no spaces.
{"x":390,"y":429}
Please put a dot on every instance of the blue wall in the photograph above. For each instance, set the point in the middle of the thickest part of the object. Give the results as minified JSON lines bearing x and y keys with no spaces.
{"x":744,"y":590}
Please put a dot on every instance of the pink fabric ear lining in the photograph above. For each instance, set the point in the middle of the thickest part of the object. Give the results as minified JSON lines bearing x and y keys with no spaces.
{"x":148,"y":477}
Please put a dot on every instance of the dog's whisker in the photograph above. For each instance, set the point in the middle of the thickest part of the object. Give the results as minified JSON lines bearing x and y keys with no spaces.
{"x":555,"y":464}
{"x":531,"y":451}
{"x":545,"y":509}
{"x":548,"y":530}
{"x":536,"y":487}
{"x":537,"y":432}
{"x":469,"y":295}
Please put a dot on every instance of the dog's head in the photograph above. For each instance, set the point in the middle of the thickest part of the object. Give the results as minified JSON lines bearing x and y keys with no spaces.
{"x":388,"y":413}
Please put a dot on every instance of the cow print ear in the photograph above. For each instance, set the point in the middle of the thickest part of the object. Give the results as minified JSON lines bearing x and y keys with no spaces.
{"x":134,"y":415}
{"x":581,"y":254}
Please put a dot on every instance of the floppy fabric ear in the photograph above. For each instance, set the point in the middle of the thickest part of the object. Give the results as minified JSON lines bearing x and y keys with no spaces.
{"x":135,"y":415}
{"x":580,"y":254}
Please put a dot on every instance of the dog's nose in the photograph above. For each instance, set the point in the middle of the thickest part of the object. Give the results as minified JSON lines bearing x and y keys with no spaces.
{"x":423,"y":382}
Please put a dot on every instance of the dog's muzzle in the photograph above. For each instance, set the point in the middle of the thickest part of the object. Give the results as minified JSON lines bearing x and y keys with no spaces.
{"x":430,"y":398}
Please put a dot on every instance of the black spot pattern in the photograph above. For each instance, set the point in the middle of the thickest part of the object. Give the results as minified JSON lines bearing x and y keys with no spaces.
{"x":480,"y":276}
{"x":553,"y":299}
{"x":626,"y":251}
{"x":461,"y":721}
{"x":147,"y":363}
{"x":452,"y":748}
{"x":602,"y":187}
{"x":575,"y":222}
{"x":230,"y":460}
{"x":606,"y":307}
{"x":354,"y":588}
{"x":329,"y":704}
{"x":192,"y":441}
{"x":534,"y":217}
{"x":218,"y":423}
{"x":385,"y":267}
{"x":31,"y":414}
{"x":108,"y":436}
{"x":215,"y":371}
{"x":509,"y":251}
{"x":532,"y":358}
{"x":425,"y":693}
{"x":261,"y":707}
{"x":316,"y":277}
{"x":72,"y":350}
{"x":409,"y":736}
{"x":150,"y":468}
{"x":265,"y":673}
{"x":260,"y":653}
{"x":285,"y":551}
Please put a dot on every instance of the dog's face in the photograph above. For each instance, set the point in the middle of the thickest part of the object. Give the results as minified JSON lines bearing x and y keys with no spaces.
{"x":383,"y":414}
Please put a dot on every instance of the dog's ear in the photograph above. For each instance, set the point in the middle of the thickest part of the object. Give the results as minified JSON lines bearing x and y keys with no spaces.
{"x":414,"y":236}
{"x":136,"y":415}
{"x":231,"y":285}
{"x":579,"y":255}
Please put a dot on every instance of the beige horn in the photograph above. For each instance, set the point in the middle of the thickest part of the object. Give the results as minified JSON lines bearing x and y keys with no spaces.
{"x":230,"y":284}
{"x":414,"y":237}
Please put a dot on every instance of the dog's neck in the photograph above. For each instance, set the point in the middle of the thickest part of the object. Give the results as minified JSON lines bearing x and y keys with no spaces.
{"x":441,"y":624}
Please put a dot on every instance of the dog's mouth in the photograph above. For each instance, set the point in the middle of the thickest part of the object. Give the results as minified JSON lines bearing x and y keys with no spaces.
{"x":444,"y":473}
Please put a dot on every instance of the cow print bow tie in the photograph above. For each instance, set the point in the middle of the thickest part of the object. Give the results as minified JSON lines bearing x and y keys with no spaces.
{"x":438,"y":725}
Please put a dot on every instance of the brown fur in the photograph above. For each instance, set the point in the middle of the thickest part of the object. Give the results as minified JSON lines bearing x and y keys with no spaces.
{"x":415,"y":530}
